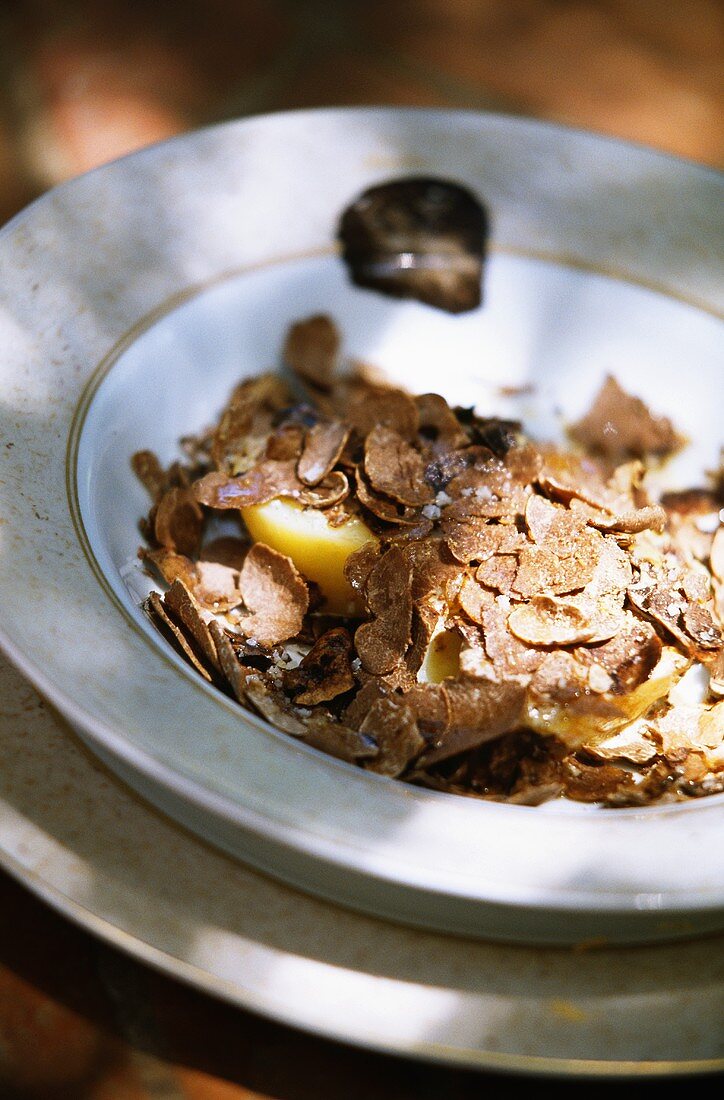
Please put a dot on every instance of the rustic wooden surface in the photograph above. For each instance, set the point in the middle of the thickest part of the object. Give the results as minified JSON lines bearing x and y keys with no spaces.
{"x":81,"y":83}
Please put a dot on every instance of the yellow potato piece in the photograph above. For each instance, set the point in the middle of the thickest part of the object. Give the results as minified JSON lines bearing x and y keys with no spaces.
{"x":442,"y":658}
{"x":594,"y":718}
{"x":318,"y":550}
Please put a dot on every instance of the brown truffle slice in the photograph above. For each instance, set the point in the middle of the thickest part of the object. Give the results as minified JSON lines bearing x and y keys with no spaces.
{"x":433,"y":566}
{"x":547,"y":522}
{"x":658,"y":596}
{"x":473,"y":599}
{"x":559,"y":678}
{"x":431,"y":708}
{"x":500,"y":538}
{"x":566,"y":476}
{"x":395,"y":469}
{"x":696,"y":585}
{"x":225,"y":550}
{"x":327,"y":494}
{"x":651,"y":517}
{"x":243,"y":431}
{"x":265,"y":481}
{"x":511,"y":657}
{"x":170,"y":566}
{"x":591,"y":616}
{"x":542,"y":570}
{"x":437,"y":421}
{"x":466,"y":535}
{"x":424,"y":621}
{"x":701,"y":628}
{"x":255,"y":689}
{"x":149,"y":472}
{"x":381,"y":643}
{"x":565,"y":553}
{"x":619,"y":425}
{"x":334,"y":738}
{"x":236,"y":674}
{"x":498,"y":572}
{"x":179,"y":522}
{"x":266,"y":698}
{"x":323,"y":445}
{"x":214,"y":585}
{"x":157,"y":480}
{"x":686,"y":503}
{"x":312,"y":348}
{"x":472,"y":537}
{"x":476,"y":499}
{"x":182,"y":606}
{"x":217,"y":586}
{"x":628,"y":659}
{"x":386,"y":510}
{"x":479,"y":712}
{"x":538,"y":777}
{"x":392,"y":724}
{"x":613,"y":573}
{"x":285,"y":442}
{"x":546,"y":621}
{"x":159,"y":616}
{"x":596,"y":783}
{"x":497,"y":435}
{"x":325,"y":672}
{"x":715,"y":666}
{"x":382,"y":408}
{"x":275,"y":594}
{"x":691,"y":534}
{"x":356,"y":711}
{"x":687,"y":727}
{"x":359,"y":565}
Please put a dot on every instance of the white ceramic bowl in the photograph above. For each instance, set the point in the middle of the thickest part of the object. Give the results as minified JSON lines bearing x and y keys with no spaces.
{"x":131,"y":300}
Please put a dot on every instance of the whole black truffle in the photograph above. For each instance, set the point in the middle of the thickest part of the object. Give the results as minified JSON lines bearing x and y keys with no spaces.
{"x":417,"y":238}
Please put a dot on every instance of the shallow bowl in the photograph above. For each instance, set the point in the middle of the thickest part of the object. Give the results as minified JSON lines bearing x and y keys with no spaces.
{"x":134,"y":297}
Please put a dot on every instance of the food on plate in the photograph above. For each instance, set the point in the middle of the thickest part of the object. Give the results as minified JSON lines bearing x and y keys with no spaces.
{"x":431,"y":595}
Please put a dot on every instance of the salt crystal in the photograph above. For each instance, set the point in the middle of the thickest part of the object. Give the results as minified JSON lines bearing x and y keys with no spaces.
{"x":707,"y":524}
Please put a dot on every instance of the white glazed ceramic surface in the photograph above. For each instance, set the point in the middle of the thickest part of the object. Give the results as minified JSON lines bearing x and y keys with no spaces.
{"x":84,"y":843}
{"x":131,"y":301}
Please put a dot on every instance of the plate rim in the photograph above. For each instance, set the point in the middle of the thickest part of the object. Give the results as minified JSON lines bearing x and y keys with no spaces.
{"x":247,"y":999}
{"x":254,"y":998}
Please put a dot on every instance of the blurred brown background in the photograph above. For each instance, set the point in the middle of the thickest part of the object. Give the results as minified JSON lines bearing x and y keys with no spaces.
{"x":83,"y":82}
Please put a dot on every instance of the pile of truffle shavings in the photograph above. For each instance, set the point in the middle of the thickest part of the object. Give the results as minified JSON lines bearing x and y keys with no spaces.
{"x":587,"y":616}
